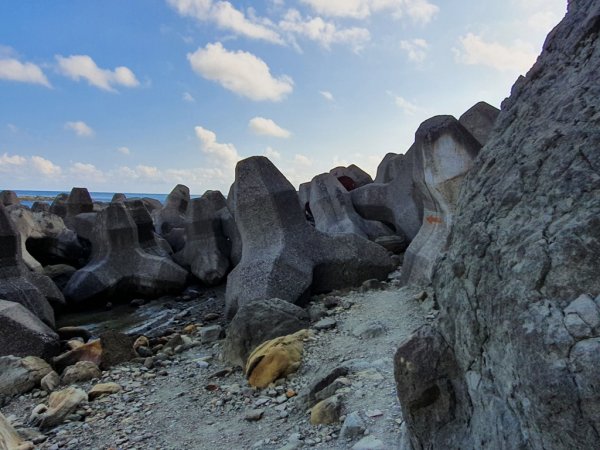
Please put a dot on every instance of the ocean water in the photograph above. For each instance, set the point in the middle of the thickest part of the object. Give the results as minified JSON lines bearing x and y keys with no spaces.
{"x":96,"y":196}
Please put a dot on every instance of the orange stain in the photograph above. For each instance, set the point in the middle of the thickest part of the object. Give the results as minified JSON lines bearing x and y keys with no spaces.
{"x":433,"y":219}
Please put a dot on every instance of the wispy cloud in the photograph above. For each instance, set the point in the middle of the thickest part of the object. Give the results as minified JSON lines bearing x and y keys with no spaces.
{"x":80,"y":128}
{"x":416,"y":49}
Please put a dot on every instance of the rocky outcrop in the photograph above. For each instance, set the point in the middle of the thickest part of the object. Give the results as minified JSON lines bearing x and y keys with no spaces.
{"x":479,"y":120}
{"x":283,"y":256}
{"x":24,"y":334}
{"x":518,"y":289}
{"x":358,"y":176}
{"x":149,"y":241}
{"x":258,"y":322}
{"x":394,"y":203}
{"x":119,"y":266}
{"x":443,"y":154}
{"x":333,"y":212}
{"x":17,"y":284}
{"x":59,"y":205}
{"x":207,"y":249}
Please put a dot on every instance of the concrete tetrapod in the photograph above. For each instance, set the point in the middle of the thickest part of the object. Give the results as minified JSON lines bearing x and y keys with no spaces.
{"x":282,"y":255}
{"x":119,"y":266}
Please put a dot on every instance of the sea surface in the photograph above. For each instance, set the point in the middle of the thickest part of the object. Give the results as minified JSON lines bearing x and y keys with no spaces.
{"x":96,"y":196}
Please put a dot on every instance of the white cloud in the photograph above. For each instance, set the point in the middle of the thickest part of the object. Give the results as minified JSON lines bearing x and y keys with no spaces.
{"x":45,"y":166}
{"x":322,"y":32}
{"x":124,"y":150}
{"x":240,"y":72}
{"x":77,"y":67}
{"x":421,"y":11}
{"x":267,"y":127}
{"x":187,"y":97}
{"x":87,"y":172}
{"x":416,"y":49}
{"x":227,"y":17}
{"x":12,"y":69}
{"x":327,"y":95}
{"x":272,"y":154}
{"x":80,"y":128}
{"x":518,"y":57}
{"x":225,"y":155}
{"x":302,"y":160}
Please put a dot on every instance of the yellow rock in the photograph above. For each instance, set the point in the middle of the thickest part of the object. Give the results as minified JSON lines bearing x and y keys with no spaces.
{"x":326,"y":411}
{"x":102,"y":389}
{"x":275,"y":359}
{"x":10,"y":439}
{"x":60,"y":405}
{"x":74,"y":343}
{"x":190,"y":329}
{"x":142,"y":341}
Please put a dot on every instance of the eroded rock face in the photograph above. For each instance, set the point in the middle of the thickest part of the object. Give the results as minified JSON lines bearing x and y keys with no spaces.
{"x":17,"y":283}
{"x":443,"y":153}
{"x":333,"y":211}
{"x":119,"y":266}
{"x":207,"y":249}
{"x":283,"y":256}
{"x":518,"y":289}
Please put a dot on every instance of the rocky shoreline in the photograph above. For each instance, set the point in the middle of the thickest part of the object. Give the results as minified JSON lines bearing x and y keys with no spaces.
{"x":473,"y":258}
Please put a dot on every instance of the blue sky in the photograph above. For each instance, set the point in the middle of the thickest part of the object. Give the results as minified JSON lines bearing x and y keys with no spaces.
{"x":139,"y":95}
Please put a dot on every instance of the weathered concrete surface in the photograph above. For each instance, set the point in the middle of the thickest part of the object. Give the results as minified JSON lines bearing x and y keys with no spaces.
{"x":207,"y":249}
{"x":149,"y":240}
{"x":17,"y":283}
{"x":333,"y":211}
{"x":394,"y":203}
{"x":23,"y":334}
{"x":443,"y":153}
{"x":283,"y":256}
{"x":355,"y":173}
{"x":519,"y":288}
{"x":479,"y":120}
{"x":119,"y":266}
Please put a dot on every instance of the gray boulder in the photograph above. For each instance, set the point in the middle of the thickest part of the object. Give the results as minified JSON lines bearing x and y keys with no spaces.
{"x":79,"y":201}
{"x":9,"y":198}
{"x":282,"y":255}
{"x":333,"y":212}
{"x":358,"y":176}
{"x":150,"y":241}
{"x":207,"y":249}
{"x":20,"y":375}
{"x":23,"y":334}
{"x":17,"y":283}
{"x":479,"y":120}
{"x":118,"y":198}
{"x":443,"y":152}
{"x":515,"y":286}
{"x":394,"y":203}
{"x":119,"y":266}
{"x":386,"y":169}
{"x":40,"y":207}
{"x":258,"y":322}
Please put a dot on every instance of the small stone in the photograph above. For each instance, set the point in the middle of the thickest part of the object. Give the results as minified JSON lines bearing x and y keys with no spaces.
{"x":254,"y":415}
{"x":211,"y":333}
{"x":374,"y":413}
{"x":326,"y":411}
{"x":144,"y":352}
{"x":211,"y":316}
{"x":137,"y":302}
{"x":353,"y":426}
{"x":190,"y":329}
{"x":325,"y":324}
{"x":50,"y":382}
{"x":102,"y":389}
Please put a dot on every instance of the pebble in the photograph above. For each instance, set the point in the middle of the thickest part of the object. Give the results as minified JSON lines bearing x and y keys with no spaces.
{"x":325,"y":324}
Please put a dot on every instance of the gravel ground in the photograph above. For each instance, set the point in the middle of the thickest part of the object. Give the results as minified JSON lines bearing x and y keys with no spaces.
{"x":192,"y":400}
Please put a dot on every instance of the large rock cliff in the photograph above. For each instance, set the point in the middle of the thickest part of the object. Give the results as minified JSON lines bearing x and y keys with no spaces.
{"x":518,"y":342}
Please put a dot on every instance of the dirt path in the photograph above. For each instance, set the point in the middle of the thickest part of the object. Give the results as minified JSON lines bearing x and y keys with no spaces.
{"x":186,"y":404}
